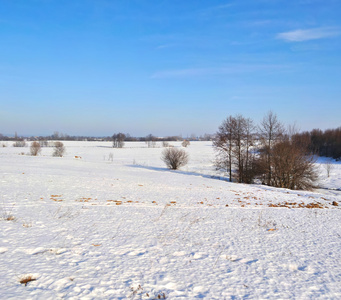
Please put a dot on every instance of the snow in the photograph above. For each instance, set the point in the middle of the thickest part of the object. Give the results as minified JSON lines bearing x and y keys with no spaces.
{"x":333,"y":182}
{"x":92,"y":228}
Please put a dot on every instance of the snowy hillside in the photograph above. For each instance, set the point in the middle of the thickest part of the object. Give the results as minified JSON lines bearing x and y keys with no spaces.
{"x":104,"y":223}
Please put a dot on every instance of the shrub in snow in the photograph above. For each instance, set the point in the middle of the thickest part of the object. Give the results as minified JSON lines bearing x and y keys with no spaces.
{"x":175,"y":158}
{"x":35,"y":148}
{"x":19,"y":144}
{"x":44,"y":143}
{"x":185,"y":143}
{"x":291,"y":167}
{"x":59,"y":149}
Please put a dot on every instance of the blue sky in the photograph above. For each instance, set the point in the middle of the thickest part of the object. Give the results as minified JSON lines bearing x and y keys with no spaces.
{"x":167,"y":67}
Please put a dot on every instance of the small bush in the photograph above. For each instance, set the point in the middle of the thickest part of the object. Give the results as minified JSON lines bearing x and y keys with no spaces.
{"x":19,"y":144}
{"x":44,"y":143}
{"x":175,"y":158}
{"x":27,"y":224}
{"x":111,"y":157}
{"x":59,"y":149}
{"x":35,"y":148}
{"x":185,"y":143}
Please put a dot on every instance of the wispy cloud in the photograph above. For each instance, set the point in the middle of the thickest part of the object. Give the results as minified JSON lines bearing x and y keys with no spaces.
{"x":182,"y":73}
{"x":223,"y":6}
{"x":164,"y":46}
{"x":301,"y":35}
{"x":232,"y":69}
{"x":213,"y":10}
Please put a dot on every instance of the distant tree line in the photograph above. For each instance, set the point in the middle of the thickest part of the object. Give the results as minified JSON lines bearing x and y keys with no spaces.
{"x":323,"y":143}
{"x":118,"y":139}
{"x":53,"y":137}
{"x":56,"y":136}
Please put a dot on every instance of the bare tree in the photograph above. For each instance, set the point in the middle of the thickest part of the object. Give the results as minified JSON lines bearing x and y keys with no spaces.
{"x":55,"y":136}
{"x":249,"y":158}
{"x":270,"y":131}
{"x":244,"y":159}
{"x":238,"y":136}
{"x":185,"y":143}
{"x":35,"y":148}
{"x":59,"y":149}
{"x":151,"y":141}
{"x":118,"y":140}
{"x":223,"y":144}
{"x":175,"y":158}
{"x":328,"y":165}
{"x":193,"y":137}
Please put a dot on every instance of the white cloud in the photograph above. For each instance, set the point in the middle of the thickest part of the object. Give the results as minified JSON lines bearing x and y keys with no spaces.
{"x":301,"y":35}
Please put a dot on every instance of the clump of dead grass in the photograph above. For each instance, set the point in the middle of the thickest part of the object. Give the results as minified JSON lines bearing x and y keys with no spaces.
{"x":139,"y":291}
{"x":26,"y":279}
{"x":6,"y":213}
{"x":27,"y":224}
{"x":9,"y":218}
{"x":298,"y":205}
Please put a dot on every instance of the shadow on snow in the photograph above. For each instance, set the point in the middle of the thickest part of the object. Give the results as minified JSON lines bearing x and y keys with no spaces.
{"x":157,"y":169}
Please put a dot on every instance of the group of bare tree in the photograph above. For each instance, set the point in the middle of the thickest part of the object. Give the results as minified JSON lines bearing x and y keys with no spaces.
{"x":118,"y":140}
{"x":150,"y":140}
{"x":21,"y":143}
{"x":233,"y":142}
{"x":58,"y":150}
{"x":266,"y":152}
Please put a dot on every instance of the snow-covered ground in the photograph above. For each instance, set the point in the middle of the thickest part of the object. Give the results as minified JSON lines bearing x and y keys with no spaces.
{"x":93,"y":227}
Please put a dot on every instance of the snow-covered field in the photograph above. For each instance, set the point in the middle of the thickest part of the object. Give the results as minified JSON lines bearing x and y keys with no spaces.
{"x":128,"y":228}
